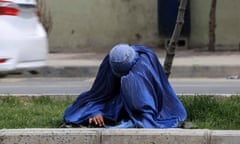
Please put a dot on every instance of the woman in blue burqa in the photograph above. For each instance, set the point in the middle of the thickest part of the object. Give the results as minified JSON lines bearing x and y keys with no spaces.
{"x":131,"y":90}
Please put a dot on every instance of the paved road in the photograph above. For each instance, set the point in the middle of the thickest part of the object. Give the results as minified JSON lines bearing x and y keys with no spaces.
{"x":74,"y":86}
{"x":206,"y":86}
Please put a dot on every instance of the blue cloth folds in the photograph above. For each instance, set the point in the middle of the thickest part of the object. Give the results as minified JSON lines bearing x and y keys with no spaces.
{"x":142,"y":98}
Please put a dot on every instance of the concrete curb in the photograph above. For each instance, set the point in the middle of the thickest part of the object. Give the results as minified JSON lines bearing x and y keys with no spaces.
{"x":118,"y":136}
{"x":194,"y":71}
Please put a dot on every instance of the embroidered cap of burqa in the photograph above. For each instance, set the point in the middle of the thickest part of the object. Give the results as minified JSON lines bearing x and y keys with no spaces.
{"x":130,"y":88}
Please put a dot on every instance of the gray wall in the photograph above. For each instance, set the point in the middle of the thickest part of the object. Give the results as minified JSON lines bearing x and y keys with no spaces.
{"x":99,"y":24}
{"x":96,"y":25}
{"x":227,"y":19}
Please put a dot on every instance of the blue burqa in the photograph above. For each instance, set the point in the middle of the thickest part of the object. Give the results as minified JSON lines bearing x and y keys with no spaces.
{"x":142,"y":98}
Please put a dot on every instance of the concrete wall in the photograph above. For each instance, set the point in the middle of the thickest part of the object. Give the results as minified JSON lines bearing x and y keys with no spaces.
{"x":99,"y":24}
{"x":227,"y":20}
{"x":96,"y":25}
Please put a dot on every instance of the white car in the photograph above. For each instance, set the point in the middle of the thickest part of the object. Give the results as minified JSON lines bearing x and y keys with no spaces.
{"x":23,"y":40}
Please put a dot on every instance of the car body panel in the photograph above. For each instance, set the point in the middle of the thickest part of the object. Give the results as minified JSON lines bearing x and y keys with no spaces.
{"x":30,"y":2}
{"x":23,"y":40}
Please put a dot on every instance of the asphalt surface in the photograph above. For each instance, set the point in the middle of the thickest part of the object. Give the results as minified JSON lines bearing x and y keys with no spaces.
{"x":75,"y":86}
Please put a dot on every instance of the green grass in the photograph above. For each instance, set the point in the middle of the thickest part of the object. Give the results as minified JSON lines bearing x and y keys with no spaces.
{"x":213,"y":112}
{"x":43,"y":112}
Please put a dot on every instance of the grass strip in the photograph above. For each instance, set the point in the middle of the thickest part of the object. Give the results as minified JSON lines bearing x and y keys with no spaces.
{"x":208,"y":112}
{"x":213,"y":112}
{"x":35,"y":112}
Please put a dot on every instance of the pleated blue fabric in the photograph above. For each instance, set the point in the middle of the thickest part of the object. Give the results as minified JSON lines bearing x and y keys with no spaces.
{"x":141,"y":98}
{"x":121,"y":58}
